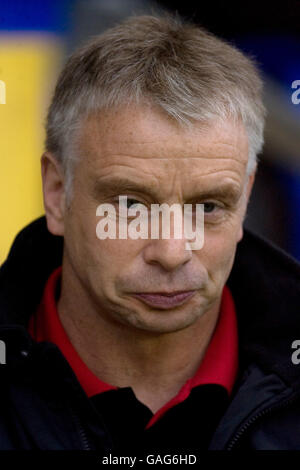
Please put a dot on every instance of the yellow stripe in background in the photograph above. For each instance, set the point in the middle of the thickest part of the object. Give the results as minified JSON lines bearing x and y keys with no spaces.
{"x":28,"y":68}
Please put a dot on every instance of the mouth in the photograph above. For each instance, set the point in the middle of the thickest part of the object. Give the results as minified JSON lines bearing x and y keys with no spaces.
{"x":165,"y":300}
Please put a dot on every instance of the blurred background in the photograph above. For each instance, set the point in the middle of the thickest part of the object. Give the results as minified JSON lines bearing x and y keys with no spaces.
{"x":36,"y":36}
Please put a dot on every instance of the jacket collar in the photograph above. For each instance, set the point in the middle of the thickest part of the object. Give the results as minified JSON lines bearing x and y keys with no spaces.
{"x":264,"y":281}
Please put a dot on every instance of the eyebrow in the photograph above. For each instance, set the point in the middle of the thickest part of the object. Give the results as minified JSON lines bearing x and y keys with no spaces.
{"x":225,"y":191}
{"x":119,"y":185}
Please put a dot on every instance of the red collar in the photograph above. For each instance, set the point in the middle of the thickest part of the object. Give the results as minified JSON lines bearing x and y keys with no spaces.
{"x":219,"y":365}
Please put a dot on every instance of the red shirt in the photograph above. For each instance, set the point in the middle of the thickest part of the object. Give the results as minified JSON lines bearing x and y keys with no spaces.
{"x":219,"y":365}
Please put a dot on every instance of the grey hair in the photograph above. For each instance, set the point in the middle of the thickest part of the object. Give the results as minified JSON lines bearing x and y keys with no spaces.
{"x":180,"y":67}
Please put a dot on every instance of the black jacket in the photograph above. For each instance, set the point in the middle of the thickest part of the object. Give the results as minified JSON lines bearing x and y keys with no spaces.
{"x":42,"y":405}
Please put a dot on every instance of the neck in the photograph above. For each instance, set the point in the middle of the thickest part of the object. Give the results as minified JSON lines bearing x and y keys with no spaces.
{"x":154,"y":365}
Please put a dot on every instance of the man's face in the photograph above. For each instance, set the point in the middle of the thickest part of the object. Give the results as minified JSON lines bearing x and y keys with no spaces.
{"x":140,"y":153}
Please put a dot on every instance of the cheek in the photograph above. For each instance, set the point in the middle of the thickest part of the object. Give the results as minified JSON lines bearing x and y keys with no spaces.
{"x":81,"y":242}
{"x":109,"y":259}
{"x":218,"y":252}
{"x":88,"y":254}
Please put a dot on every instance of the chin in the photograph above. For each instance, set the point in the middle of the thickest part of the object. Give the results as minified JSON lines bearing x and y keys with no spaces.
{"x":161,"y":322}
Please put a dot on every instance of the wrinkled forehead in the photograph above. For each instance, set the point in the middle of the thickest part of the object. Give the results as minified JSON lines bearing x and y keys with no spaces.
{"x":133,"y":139}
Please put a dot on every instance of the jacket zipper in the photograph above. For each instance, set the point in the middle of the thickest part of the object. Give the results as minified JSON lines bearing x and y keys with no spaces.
{"x":86,"y":443}
{"x":81,"y":431}
{"x":251,"y":421}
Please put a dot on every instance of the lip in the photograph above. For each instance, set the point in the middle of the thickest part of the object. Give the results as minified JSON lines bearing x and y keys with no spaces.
{"x":165,"y":300}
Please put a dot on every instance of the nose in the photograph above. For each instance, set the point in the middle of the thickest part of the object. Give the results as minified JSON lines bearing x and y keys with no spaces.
{"x":170,"y":254}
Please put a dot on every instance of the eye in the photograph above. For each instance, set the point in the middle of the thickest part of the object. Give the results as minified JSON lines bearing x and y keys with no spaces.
{"x":128,"y":203}
{"x":209,"y":207}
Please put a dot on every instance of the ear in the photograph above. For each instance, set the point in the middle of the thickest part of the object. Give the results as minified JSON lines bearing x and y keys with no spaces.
{"x":249,"y":187}
{"x":54,"y":194}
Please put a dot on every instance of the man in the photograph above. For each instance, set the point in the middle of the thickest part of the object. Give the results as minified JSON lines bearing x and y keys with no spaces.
{"x":131,"y":344}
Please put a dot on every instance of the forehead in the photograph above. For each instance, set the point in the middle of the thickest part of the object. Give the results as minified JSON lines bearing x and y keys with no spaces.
{"x":143,"y":141}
